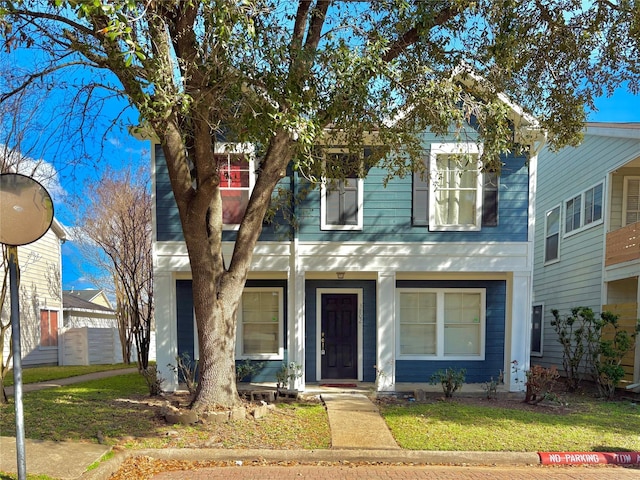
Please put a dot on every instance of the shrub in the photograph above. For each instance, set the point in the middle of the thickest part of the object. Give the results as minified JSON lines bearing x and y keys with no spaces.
{"x":586,"y":350}
{"x":574,"y":333}
{"x":605,"y":360}
{"x":186,"y":370}
{"x":154,"y":381}
{"x":247,"y":369}
{"x":540,"y":383}
{"x":287,"y":374}
{"x":451,"y":380}
{"x":491,"y":387}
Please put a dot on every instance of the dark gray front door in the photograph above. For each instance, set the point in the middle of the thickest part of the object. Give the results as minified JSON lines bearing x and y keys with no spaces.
{"x":339,"y":336}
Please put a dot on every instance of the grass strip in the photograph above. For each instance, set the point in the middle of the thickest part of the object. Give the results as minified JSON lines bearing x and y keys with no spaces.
{"x":449,"y":425}
{"x":45,"y":374}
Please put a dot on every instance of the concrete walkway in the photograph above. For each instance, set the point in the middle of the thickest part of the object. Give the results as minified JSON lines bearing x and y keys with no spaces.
{"x":60,"y":460}
{"x":32,"y":387}
{"x":355,"y":422}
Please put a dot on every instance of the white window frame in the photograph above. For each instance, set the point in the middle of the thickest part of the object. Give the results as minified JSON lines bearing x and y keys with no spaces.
{"x":247,"y":150}
{"x":440,"y":355}
{"x":582,"y":196}
{"x":452,"y":149}
{"x":239,"y":331}
{"x":547,"y":235}
{"x":625,"y":193}
{"x":325,"y":187}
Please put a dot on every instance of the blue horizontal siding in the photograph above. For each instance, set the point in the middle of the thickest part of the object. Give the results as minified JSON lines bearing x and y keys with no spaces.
{"x":185,"y":327}
{"x":168,"y":226}
{"x":387,"y":211}
{"x":420,"y":371}
{"x":265,"y":370}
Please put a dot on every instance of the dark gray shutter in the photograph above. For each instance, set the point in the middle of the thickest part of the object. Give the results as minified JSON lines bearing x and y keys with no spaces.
{"x":333,"y":205}
{"x":491,"y":181}
{"x":342,"y":202}
{"x":536,"y":329}
{"x":350,"y":201}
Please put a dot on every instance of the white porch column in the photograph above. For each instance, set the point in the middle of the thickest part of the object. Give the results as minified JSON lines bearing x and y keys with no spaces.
{"x":296,"y":315}
{"x":166,"y":329}
{"x":636,"y":363}
{"x":518,"y":332}
{"x":386,"y":331}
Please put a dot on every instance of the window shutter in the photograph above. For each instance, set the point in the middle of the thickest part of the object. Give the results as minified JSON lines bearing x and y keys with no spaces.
{"x":350,"y":202}
{"x":537,"y":317}
{"x":420,"y":207}
{"x":53,"y":326}
{"x":490,"y":199}
{"x":333,"y":205}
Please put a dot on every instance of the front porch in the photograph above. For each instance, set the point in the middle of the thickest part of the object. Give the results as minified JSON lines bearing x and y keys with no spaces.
{"x":404,"y":390}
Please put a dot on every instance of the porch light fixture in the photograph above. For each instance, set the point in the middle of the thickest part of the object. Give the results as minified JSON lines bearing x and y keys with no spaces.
{"x":340,"y":275}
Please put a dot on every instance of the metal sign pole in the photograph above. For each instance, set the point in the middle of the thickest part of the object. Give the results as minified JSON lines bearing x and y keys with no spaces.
{"x":17,"y":361}
{"x":26,"y":214}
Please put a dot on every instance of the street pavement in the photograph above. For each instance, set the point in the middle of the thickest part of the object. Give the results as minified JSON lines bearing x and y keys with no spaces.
{"x":399,"y":472}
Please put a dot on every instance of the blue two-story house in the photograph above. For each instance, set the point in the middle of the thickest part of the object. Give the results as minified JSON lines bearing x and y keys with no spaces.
{"x":430,"y":272}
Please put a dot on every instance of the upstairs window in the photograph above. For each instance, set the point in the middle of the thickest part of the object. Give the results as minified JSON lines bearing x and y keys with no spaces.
{"x":455,"y":196}
{"x":236,"y":182}
{"x":490,"y":198}
{"x":631,"y":200}
{"x":584,"y":210}
{"x":342,"y":193}
{"x":552,"y":235}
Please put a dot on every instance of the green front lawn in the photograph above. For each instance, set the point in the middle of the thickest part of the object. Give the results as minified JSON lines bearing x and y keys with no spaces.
{"x":591,"y":425}
{"x":119,"y":411}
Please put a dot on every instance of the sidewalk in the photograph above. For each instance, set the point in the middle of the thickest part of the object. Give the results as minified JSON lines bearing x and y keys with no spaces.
{"x":31,"y":387}
{"x":60,"y":460}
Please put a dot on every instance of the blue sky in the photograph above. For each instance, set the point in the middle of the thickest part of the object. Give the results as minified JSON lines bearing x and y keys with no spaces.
{"x":620,"y":107}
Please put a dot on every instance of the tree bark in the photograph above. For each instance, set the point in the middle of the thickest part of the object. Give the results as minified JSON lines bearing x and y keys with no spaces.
{"x":217,"y":289}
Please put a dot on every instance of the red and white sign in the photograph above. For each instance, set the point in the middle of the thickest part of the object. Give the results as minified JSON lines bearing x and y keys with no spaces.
{"x":601,"y":458}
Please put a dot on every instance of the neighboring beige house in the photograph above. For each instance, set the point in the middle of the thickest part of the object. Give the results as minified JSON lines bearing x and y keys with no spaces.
{"x":87,"y":308}
{"x":40,"y":293}
{"x":89,"y":331}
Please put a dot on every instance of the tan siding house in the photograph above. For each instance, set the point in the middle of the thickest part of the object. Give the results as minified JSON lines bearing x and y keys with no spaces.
{"x":40,"y":298}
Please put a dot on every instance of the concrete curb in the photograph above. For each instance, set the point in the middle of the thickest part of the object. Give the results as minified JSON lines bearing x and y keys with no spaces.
{"x":107,"y":468}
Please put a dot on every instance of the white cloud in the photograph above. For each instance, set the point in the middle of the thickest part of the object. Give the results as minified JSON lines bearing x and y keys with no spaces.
{"x":42,"y":171}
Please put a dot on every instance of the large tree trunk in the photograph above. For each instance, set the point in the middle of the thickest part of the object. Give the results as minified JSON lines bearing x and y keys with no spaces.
{"x":215,"y":301}
{"x":218,"y":284}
